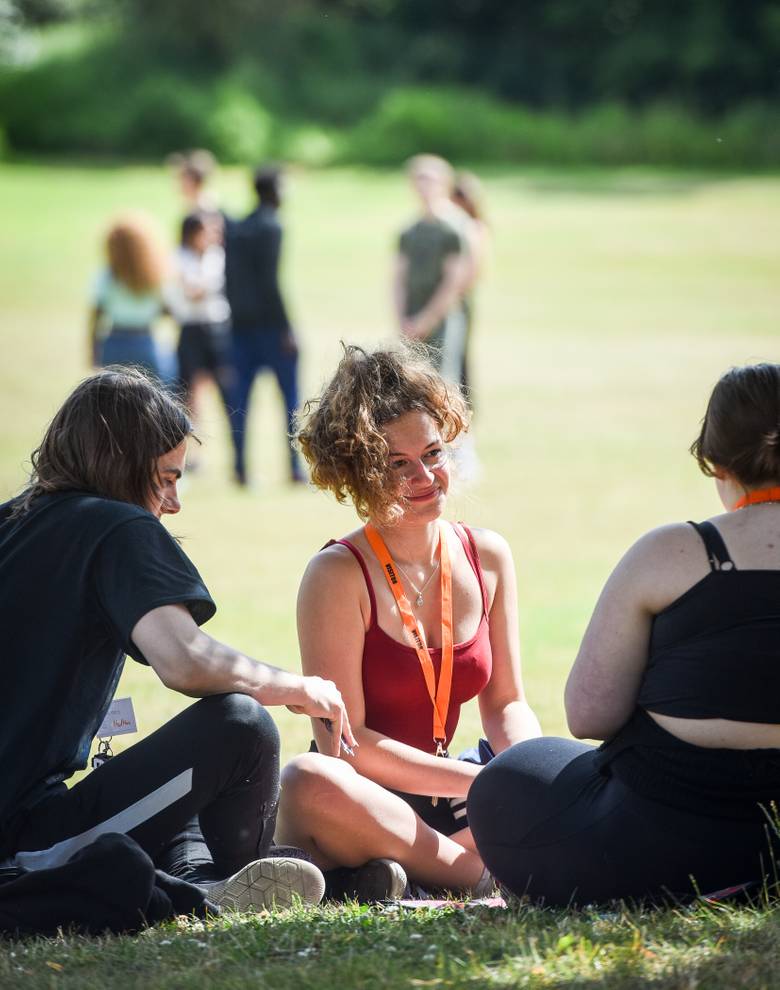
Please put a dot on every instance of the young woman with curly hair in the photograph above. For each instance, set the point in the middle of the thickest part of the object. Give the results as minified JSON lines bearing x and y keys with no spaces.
{"x":411,"y":616}
{"x":128,"y":299}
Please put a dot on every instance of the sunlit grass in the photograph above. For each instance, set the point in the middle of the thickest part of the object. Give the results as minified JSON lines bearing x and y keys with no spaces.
{"x":611,"y":303}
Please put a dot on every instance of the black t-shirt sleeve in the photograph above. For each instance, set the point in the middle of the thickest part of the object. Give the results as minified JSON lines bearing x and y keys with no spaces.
{"x":138,"y":567}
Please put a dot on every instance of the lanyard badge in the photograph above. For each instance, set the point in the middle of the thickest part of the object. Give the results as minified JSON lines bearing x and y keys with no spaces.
{"x":119,"y":720}
{"x":438,"y":693}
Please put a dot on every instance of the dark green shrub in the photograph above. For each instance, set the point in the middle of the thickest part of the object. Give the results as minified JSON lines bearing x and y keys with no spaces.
{"x":163,"y":113}
{"x":467,"y":125}
{"x":110,"y":98}
{"x":237,"y":128}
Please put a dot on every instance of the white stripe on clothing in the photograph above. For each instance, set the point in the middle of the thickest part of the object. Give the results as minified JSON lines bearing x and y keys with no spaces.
{"x":124,"y":821}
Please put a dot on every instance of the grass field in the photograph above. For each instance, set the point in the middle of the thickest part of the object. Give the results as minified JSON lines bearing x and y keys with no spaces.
{"x":611,"y":303}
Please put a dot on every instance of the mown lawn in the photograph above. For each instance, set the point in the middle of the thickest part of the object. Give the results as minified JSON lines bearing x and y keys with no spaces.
{"x":352,"y":948}
{"x":611,"y":303}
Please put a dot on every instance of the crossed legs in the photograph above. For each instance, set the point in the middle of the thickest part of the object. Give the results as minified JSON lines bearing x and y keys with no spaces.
{"x":344,"y":819}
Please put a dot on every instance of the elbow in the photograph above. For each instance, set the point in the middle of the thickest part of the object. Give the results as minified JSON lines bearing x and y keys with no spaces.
{"x":579,"y":727}
{"x":581,"y":719}
{"x":177,"y":674}
{"x":176,"y":679}
{"x":585,"y":723}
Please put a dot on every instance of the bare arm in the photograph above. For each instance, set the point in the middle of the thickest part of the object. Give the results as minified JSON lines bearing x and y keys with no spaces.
{"x":191,"y":662}
{"x":507,"y":717}
{"x":453,"y":282}
{"x":604,"y":682}
{"x":477,"y":236}
{"x":332,"y":616}
{"x":400,"y":270}
{"x":93,"y":322}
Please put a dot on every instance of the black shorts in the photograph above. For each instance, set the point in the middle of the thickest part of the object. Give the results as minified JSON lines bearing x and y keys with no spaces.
{"x":446,"y":817}
{"x":441,"y":817}
{"x":202,"y":347}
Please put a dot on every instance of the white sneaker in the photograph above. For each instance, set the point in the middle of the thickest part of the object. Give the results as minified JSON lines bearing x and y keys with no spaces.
{"x":268,"y":883}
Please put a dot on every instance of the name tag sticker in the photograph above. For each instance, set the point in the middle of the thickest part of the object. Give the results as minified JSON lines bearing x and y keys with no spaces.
{"x":120,"y":719}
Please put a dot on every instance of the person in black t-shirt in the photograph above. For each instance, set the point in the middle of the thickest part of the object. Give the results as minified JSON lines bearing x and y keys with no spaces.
{"x":89,"y":574}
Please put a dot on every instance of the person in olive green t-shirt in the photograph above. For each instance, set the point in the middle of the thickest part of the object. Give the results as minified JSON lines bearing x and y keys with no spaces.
{"x":432,"y":268}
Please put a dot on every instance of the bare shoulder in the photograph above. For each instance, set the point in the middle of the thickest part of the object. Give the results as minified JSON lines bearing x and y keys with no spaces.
{"x":667,"y":546}
{"x":334,"y":562}
{"x":494,"y":551}
{"x":662,"y":565}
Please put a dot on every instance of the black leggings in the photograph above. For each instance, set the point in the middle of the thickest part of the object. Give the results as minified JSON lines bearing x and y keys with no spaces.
{"x":199,"y":795}
{"x":548,"y":824}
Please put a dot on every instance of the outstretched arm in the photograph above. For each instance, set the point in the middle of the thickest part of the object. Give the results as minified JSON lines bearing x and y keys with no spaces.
{"x":188,"y":660}
{"x":507,"y":718}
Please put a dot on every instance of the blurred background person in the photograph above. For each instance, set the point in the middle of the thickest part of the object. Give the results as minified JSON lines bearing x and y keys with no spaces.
{"x":194,"y":171}
{"x":127,"y":299}
{"x":433,"y":268}
{"x":467,"y":194}
{"x":262,"y":336}
{"x":199,"y":304}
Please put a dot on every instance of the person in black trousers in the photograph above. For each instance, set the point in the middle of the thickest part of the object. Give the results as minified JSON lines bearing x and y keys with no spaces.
{"x":679,"y":674}
{"x":88,"y":574}
{"x":263,"y":336}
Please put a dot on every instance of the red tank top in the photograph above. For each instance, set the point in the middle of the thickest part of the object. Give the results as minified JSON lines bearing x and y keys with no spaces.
{"x":396,"y":698}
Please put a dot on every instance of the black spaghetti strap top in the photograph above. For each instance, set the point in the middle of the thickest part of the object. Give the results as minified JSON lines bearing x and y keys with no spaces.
{"x":714,"y":653}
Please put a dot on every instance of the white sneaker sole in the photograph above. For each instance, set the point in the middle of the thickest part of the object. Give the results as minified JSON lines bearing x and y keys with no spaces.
{"x":269,"y":883}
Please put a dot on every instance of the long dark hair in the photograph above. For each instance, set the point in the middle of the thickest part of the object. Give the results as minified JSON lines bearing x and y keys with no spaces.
{"x":106,"y":437}
{"x":741,"y":427}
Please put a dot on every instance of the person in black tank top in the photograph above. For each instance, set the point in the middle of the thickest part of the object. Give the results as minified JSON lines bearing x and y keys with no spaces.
{"x":679,"y":674}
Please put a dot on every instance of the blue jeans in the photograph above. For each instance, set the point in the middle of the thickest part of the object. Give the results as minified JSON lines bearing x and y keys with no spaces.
{"x":253,"y":352}
{"x":137,"y":348}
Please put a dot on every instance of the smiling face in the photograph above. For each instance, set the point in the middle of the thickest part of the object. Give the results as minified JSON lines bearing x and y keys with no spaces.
{"x":419,"y":464}
{"x":170,"y":468}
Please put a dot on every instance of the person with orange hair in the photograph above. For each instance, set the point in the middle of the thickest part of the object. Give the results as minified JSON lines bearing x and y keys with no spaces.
{"x":128,"y":300}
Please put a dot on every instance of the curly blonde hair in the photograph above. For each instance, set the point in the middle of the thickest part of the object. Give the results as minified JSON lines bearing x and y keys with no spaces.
{"x":340,"y":432}
{"x":135,"y":255}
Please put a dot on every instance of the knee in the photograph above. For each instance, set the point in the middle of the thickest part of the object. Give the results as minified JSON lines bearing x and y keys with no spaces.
{"x":507,"y":790}
{"x":515,"y":791}
{"x":242,"y":722}
{"x":314,"y":782}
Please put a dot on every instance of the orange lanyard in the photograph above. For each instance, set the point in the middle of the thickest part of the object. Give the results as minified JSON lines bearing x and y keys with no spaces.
{"x":758,"y":496}
{"x":439,"y":694}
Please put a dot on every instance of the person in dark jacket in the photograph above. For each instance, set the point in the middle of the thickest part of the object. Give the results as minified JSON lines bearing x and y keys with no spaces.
{"x":263,"y":336}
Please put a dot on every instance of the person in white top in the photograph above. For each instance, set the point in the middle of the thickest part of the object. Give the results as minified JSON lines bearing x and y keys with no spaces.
{"x":198,"y":301}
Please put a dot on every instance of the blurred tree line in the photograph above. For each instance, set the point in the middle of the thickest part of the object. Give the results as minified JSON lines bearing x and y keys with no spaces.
{"x":332,"y":64}
{"x":706,"y":54}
